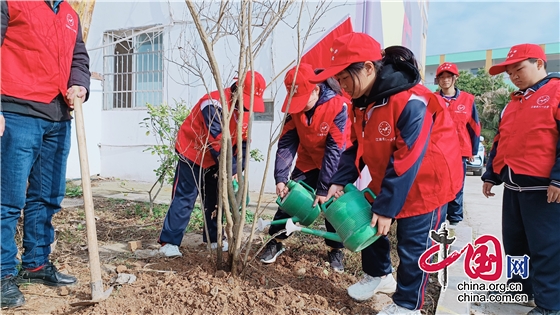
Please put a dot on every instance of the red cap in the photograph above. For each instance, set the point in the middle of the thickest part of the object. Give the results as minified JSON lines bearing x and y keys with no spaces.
{"x":447,"y":67}
{"x":348,"y":49}
{"x":302,"y":88}
{"x":516,"y":54}
{"x":260,"y":85}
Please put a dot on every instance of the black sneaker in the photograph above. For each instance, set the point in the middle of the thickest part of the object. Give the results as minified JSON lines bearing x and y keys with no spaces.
{"x":335,"y":259}
{"x":48,"y":275}
{"x":11,"y":295}
{"x":541,"y":311}
{"x":272,"y":250}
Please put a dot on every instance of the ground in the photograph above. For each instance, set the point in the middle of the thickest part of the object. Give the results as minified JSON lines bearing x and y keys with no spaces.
{"x":300,"y":282}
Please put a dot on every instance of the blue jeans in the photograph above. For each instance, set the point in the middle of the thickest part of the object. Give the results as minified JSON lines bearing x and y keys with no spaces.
{"x":33,"y":150}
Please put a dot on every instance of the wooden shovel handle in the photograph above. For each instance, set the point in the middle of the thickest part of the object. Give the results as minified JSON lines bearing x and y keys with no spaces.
{"x":93,"y":250}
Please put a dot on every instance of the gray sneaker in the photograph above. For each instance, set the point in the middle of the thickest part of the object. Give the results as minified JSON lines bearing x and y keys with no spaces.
{"x":335,"y":259}
{"x":272,"y":250}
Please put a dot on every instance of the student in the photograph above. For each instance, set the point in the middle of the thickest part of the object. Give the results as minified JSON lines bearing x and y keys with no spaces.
{"x":315,"y":129}
{"x":525,"y":157}
{"x":463,"y":111}
{"x":198,"y":147}
{"x":406,"y":138}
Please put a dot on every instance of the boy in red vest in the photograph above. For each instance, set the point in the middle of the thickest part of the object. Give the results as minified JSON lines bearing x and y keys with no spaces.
{"x":525,"y":157}
{"x":315,"y":129}
{"x":45,"y":66}
{"x":463,"y":111}
{"x":198,"y":147}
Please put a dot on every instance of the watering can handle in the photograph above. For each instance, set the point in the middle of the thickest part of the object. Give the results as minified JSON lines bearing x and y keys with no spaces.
{"x":302,"y":183}
{"x":367,"y":190}
{"x":325,"y":204}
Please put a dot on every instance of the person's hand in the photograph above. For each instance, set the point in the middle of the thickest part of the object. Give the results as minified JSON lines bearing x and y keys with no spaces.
{"x":2,"y":125}
{"x":336,"y":191}
{"x":383,"y":224}
{"x":281,"y":189}
{"x":319,"y":199}
{"x":470,"y":158}
{"x":73,"y":92}
{"x":487,"y":189}
{"x":553,"y":194}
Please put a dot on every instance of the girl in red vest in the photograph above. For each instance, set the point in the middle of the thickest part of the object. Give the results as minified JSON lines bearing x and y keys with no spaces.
{"x":316,"y":130}
{"x":463,"y":111}
{"x":525,"y":157}
{"x":198,"y":146}
{"x":407,"y":140}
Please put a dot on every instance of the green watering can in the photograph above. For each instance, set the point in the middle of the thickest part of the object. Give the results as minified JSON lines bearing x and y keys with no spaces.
{"x":350,"y":215}
{"x":298,"y":203}
{"x":235,"y":185}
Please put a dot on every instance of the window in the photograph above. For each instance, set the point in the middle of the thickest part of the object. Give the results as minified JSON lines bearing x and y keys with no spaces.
{"x":133,"y":68}
{"x":268,"y":114}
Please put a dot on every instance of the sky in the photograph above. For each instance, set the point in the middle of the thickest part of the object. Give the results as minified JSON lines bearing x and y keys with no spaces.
{"x":460,"y":26}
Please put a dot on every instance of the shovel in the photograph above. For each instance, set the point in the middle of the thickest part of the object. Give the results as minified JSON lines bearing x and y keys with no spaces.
{"x":96,"y":284}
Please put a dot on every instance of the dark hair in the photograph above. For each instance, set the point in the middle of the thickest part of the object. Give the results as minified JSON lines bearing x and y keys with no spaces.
{"x":392,"y":54}
{"x":400,"y":53}
{"x":331,"y":82}
{"x":355,"y":68}
{"x":534,"y":60}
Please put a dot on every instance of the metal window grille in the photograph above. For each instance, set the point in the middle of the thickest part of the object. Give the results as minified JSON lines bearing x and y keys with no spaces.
{"x":133,"y":68}
{"x":268,"y":114}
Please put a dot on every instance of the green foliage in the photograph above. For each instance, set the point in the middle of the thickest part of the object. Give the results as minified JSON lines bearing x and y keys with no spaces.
{"x":73,"y":190}
{"x":142,"y":210}
{"x":256,"y":155}
{"x":491,"y":96}
{"x":480,"y":83}
{"x":164,"y":122}
{"x":196,"y":224}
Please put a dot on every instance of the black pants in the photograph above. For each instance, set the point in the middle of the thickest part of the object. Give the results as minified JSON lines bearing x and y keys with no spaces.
{"x":413,"y":239}
{"x":184,"y":194}
{"x":310,"y":178}
{"x":531,"y":226}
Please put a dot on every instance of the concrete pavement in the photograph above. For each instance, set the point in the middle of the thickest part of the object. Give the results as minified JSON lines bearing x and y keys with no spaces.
{"x":483,"y":215}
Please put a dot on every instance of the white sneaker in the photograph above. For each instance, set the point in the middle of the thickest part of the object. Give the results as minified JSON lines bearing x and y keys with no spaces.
{"x":394,"y":309}
{"x":225,"y":246}
{"x":367,"y":287}
{"x":170,"y":250}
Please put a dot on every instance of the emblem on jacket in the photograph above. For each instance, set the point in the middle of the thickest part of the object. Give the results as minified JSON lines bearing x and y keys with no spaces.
{"x":323,"y":129}
{"x":543,"y":99}
{"x":384,"y":129}
{"x":461,"y":108}
{"x":70,"y":19}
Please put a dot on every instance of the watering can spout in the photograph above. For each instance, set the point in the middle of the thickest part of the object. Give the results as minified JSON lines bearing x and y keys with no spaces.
{"x":262,"y":224}
{"x":291,"y":227}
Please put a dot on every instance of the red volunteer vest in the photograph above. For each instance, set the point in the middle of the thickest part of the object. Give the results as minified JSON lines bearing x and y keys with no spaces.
{"x":440,"y":175}
{"x":38,"y":50}
{"x":313,"y":137}
{"x":460,"y":110}
{"x":528,"y":133}
{"x":194,"y":139}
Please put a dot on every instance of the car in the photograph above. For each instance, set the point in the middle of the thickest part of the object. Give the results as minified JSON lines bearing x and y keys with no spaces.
{"x":477,"y":166}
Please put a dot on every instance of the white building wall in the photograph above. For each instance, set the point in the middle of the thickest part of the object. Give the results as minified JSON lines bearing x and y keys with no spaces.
{"x":117,"y":132}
